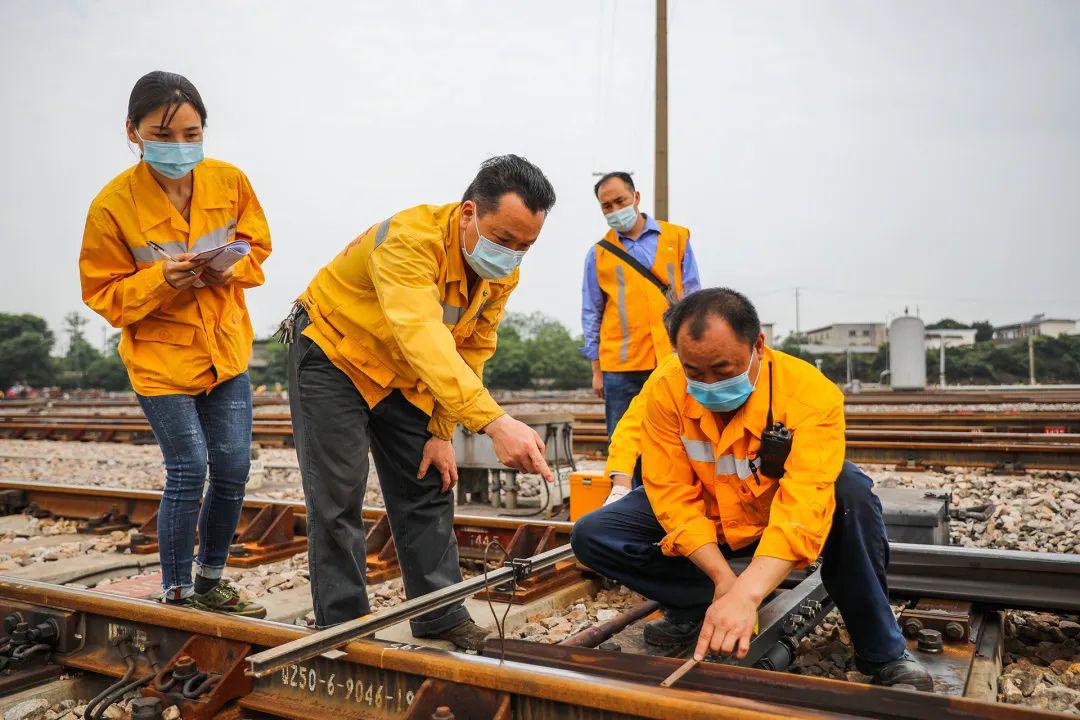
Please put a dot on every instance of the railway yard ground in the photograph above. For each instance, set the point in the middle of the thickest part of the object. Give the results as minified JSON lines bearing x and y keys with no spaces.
{"x":76,"y":546}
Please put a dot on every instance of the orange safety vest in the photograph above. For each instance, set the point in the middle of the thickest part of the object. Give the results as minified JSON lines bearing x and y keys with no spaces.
{"x":698,"y":474}
{"x":395,"y":310}
{"x":632,"y":333}
{"x":174,"y":341}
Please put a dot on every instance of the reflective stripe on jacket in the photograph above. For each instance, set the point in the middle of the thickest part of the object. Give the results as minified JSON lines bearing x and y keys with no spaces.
{"x":394,"y":310}
{"x":173,"y":341}
{"x":632,"y":334}
{"x":697,"y":470}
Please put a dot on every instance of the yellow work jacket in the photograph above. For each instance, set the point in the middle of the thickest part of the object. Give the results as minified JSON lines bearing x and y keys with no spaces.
{"x":395,"y":310}
{"x":697,"y":470}
{"x":632,"y":333}
{"x":173,"y":341}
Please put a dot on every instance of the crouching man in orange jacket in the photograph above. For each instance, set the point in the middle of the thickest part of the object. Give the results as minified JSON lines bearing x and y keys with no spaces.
{"x":710,"y":493}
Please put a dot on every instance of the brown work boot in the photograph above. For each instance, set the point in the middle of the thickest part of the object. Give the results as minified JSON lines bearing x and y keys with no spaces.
{"x":466,"y":636}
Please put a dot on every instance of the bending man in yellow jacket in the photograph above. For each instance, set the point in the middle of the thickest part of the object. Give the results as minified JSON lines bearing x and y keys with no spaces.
{"x":388,"y":348}
{"x":710,"y":493}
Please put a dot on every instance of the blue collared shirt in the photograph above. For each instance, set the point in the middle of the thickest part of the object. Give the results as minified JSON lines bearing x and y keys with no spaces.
{"x":644,"y":251}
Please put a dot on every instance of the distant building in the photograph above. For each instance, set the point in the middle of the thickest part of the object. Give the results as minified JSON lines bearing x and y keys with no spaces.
{"x":260,"y":356}
{"x":849,"y":335}
{"x":767,"y":328}
{"x":1038,"y":326}
{"x":816,"y":349}
{"x":952,"y":337}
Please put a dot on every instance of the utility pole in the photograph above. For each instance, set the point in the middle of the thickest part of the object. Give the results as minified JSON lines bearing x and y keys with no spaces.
{"x":798,"y":330}
{"x":1031,"y":359}
{"x":660,"y":208}
{"x":941,"y":372}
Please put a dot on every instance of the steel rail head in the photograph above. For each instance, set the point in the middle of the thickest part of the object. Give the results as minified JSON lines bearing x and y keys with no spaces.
{"x":265,"y":662}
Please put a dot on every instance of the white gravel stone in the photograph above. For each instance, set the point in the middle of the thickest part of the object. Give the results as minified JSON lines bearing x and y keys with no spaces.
{"x":28,"y":710}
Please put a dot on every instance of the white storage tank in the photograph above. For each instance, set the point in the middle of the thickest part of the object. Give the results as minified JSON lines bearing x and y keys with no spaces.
{"x":907,"y":353}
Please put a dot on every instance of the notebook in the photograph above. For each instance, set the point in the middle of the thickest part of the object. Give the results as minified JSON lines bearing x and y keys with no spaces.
{"x":224,"y":257}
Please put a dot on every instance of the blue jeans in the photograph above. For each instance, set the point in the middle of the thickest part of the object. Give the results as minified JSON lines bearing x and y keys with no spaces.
{"x":620,"y":540}
{"x":619,"y":389}
{"x":196,"y":433}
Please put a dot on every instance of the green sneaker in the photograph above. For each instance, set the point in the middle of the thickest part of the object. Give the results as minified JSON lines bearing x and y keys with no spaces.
{"x":225,"y":598}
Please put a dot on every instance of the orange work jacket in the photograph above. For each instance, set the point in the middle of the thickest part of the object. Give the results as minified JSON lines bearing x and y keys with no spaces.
{"x":395,"y":310}
{"x":697,"y":469}
{"x":174,"y":341}
{"x":632,"y":333}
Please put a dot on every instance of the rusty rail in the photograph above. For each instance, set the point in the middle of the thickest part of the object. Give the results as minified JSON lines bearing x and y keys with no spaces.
{"x":372,"y":678}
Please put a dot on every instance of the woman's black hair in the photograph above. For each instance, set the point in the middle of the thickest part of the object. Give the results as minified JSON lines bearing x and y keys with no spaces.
{"x":163,"y":89}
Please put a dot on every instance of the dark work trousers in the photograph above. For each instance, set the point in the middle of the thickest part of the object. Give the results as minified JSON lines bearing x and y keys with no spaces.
{"x":333,"y":429}
{"x":619,"y":389}
{"x":620,"y":540}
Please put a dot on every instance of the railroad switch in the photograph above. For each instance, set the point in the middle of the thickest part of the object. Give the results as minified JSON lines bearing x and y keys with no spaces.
{"x":530,"y":540}
{"x":950,"y":618}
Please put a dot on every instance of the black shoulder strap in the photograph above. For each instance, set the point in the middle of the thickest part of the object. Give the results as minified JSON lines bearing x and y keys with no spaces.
{"x":632,"y":262}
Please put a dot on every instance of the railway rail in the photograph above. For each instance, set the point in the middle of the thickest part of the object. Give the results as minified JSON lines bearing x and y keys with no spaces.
{"x":876,"y":441}
{"x":261,"y":669}
{"x":991,"y":395}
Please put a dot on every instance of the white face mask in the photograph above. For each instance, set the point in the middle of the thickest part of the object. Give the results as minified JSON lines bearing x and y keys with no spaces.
{"x":622,"y":219}
{"x":489,"y":259}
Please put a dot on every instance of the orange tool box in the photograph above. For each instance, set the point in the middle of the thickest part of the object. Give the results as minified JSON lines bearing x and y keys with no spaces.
{"x":588,"y":491}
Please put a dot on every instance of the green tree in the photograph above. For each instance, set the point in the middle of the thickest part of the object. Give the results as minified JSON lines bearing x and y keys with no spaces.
{"x":26,"y":344}
{"x":946,"y":324}
{"x":536,"y":350}
{"x":1057,"y":360}
{"x":80,"y":353}
{"x":508,"y":368}
{"x":984,"y":331}
{"x":555,"y":357}
{"x":107,"y":371}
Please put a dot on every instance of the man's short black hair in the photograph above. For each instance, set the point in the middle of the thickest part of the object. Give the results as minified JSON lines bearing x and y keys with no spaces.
{"x":695,"y":309}
{"x":624,"y":176}
{"x":510,"y":174}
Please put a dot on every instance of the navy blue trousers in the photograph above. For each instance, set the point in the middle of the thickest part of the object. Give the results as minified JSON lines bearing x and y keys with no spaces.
{"x":619,"y":389}
{"x":620,"y":540}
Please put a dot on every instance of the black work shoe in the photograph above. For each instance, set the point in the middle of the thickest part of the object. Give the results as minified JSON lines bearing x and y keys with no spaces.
{"x":666,"y":634}
{"x":466,"y":636}
{"x":905,"y":670}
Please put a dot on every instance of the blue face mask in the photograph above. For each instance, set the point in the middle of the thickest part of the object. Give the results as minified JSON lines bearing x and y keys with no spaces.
{"x":723,"y":395}
{"x":491,"y":260}
{"x":622,"y":219}
{"x":173,"y":160}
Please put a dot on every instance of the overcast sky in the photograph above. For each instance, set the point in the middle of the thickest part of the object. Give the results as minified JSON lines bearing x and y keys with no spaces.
{"x":876,"y":154}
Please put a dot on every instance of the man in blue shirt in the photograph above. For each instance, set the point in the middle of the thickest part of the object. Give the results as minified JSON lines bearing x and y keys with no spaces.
{"x":621,"y":307}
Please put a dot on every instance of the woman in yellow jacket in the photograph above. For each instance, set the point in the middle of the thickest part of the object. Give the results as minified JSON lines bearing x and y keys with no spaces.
{"x":186,"y":332}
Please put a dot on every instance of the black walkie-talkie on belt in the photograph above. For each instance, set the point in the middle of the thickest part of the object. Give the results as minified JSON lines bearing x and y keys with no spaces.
{"x":775,"y":445}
